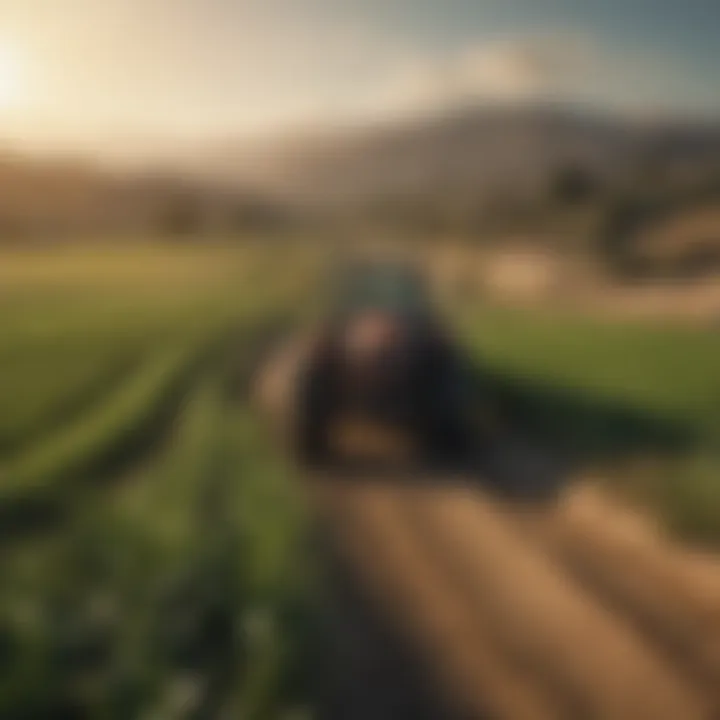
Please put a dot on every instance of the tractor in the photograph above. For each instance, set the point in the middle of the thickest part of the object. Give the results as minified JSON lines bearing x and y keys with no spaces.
{"x":381,"y":375}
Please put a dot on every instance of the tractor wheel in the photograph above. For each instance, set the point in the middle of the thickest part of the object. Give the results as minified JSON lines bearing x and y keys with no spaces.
{"x":445,"y":417}
{"x":313,"y":413}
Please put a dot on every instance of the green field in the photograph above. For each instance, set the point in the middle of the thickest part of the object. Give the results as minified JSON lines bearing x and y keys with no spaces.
{"x":153,"y":556}
{"x":638,"y":404}
{"x":151,"y":542}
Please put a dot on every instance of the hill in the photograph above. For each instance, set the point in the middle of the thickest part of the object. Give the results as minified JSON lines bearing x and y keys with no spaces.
{"x":471,"y":151}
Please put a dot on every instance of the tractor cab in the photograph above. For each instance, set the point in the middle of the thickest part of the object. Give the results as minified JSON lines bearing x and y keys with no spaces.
{"x":393,"y":289}
{"x":382,"y":361}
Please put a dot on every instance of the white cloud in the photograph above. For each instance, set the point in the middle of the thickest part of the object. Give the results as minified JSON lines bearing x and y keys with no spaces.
{"x":508,"y":69}
{"x":528,"y":67}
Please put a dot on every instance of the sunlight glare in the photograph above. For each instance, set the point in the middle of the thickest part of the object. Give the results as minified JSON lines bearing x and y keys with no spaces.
{"x":10,"y":78}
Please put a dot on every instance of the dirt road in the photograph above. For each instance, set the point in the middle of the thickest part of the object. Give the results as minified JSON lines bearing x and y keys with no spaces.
{"x":575,"y":609}
{"x":448,"y":602}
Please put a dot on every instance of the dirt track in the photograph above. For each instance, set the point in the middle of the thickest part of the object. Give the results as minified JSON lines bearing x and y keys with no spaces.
{"x":574,"y":610}
{"x":570,"y":607}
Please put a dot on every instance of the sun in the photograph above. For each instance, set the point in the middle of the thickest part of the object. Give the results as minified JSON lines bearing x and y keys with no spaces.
{"x":10,"y":78}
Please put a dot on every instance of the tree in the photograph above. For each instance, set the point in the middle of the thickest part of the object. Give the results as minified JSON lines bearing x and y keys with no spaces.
{"x":182,"y":217}
{"x":573,"y":184}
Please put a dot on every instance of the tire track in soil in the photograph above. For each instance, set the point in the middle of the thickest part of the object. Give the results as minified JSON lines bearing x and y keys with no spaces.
{"x":511,"y":628}
{"x":582,"y":648}
{"x":367,"y":671}
{"x":671,"y":594}
{"x":375,"y":538}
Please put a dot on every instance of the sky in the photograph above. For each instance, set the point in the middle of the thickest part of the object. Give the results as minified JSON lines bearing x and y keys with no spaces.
{"x":123,"y":76}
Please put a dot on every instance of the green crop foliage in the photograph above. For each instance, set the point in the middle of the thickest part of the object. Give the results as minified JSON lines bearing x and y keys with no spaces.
{"x":153,"y":560}
{"x":608,"y":394}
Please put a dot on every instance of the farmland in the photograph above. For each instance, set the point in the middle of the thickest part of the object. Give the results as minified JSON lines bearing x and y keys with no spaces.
{"x":154,"y":559}
{"x":639,"y":403}
{"x":150,"y":543}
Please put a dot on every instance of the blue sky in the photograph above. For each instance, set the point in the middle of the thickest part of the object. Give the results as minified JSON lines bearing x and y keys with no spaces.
{"x":128,"y":72}
{"x":683,"y":38}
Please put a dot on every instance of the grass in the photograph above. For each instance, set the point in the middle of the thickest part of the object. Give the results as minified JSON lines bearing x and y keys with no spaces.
{"x":170,"y":590}
{"x":669,"y":371}
{"x":152,"y":559}
{"x":79,"y":447}
{"x":616,"y":397}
